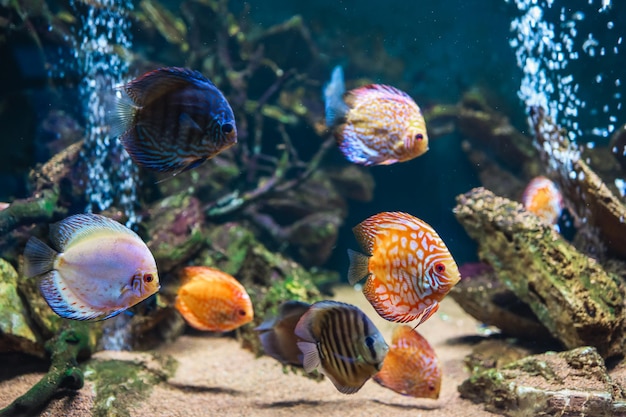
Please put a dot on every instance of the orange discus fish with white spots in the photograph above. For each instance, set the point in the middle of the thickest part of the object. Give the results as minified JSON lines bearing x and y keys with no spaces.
{"x":411,"y":366}
{"x":408,"y":267}
{"x":543,"y":198}
{"x":212,"y":300}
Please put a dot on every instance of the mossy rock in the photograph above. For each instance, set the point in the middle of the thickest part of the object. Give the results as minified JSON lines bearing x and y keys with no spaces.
{"x":16,"y":330}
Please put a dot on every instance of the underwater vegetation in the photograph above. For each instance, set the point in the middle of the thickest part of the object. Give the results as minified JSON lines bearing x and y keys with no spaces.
{"x":199,"y":168}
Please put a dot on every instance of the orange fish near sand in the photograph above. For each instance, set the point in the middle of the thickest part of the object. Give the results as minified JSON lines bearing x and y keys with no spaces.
{"x":408,"y":267}
{"x":212,"y":300}
{"x":543,"y":198}
{"x":411,"y":366}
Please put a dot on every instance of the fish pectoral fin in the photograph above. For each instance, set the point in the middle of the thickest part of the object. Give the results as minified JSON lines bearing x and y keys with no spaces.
{"x":359,"y":266}
{"x":310,"y":356}
{"x":430,"y":310}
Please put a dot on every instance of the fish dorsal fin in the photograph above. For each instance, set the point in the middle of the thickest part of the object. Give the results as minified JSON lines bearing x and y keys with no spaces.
{"x":154,"y":84}
{"x":79,"y":226}
{"x":359,"y":266}
{"x":65,"y":303}
{"x":38,"y":258}
{"x":310,"y":356}
{"x":365,"y":234}
{"x":290,"y":307}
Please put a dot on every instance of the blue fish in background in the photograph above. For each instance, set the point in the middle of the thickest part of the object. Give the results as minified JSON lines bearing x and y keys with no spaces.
{"x":173,"y":119}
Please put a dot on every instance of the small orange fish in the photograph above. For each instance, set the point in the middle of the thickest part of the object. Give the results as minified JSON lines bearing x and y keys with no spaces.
{"x":411,"y":366}
{"x":375,"y":124}
{"x":212,"y":300}
{"x":543,"y":198}
{"x":408,"y":267}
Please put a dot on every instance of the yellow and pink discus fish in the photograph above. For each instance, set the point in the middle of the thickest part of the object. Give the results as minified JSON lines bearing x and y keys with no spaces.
{"x":97,"y":269}
{"x":408,"y":267}
{"x":375,"y":124}
{"x":212,"y":300}
{"x":543,"y":198}
{"x":411,"y":366}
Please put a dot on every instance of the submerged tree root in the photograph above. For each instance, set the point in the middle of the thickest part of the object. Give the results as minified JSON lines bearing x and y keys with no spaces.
{"x":63,"y":374}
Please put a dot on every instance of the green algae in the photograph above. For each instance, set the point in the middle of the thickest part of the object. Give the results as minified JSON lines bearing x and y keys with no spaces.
{"x":121,"y":384}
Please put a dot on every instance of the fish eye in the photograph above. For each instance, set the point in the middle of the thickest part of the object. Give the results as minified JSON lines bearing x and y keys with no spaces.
{"x":227,"y":128}
{"x":242,"y":312}
{"x":369,"y":341}
{"x":419,"y":136}
{"x":440,"y":267}
{"x":148,"y":278}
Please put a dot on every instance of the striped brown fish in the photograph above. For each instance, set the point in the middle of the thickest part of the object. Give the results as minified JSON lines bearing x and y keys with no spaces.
{"x":343,"y":342}
{"x":173,"y":119}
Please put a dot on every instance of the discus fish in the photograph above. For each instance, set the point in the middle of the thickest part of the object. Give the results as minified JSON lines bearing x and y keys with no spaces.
{"x":411,"y":366}
{"x":341,"y":340}
{"x":97,"y":269}
{"x":375,"y":124}
{"x":173,"y":119}
{"x":212,"y":300}
{"x":278,"y":336}
{"x":408,"y":267}
{"x":543,"y":198}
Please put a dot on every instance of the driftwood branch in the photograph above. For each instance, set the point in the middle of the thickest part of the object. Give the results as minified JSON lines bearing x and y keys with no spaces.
{"x":63,"y":374}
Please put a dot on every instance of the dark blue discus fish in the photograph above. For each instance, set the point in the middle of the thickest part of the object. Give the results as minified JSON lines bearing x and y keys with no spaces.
{"x":173,"y":119}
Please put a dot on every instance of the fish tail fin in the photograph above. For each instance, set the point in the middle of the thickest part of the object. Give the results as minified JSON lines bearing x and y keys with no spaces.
{"x":120,"y":116}
{"x":38,"y":258}
{"x":334,"y":106}
{"x":271,"y":345}
{"x":359,"y":266}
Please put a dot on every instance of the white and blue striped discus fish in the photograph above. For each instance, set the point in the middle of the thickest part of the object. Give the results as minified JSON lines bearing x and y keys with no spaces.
{"x":173,"y":119}
{"x":343,"y":342}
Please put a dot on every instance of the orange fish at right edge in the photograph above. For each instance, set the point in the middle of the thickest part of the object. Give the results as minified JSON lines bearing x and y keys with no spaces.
{"x":411,"y":366}
{"x":409,"y":269}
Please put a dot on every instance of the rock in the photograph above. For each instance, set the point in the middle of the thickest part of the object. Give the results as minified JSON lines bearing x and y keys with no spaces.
{"x":570,"y":293}
{"x":16,"y":333}
{"x":483,"y":296}
{"x":494,"y":353}
{"x":618,"y":146}
{"x":571,"y":383}
{"x":174,"y":226}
